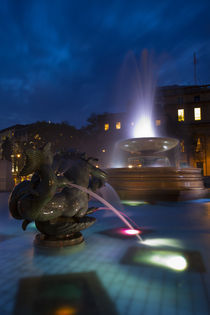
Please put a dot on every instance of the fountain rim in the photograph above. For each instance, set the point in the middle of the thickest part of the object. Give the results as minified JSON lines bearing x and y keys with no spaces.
{"x":138,"y":141}
{"x":134,"y":138}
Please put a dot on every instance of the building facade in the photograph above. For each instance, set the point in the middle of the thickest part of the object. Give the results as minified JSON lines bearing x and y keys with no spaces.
{"x":182,"y":112}
{"x":185,"y":114}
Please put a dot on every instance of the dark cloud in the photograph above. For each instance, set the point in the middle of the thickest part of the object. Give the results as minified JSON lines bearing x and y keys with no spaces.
{"x":60,"y":60}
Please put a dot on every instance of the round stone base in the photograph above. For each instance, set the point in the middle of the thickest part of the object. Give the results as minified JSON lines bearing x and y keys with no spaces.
{"x":157,"y":183}
{"x":46,"y":241}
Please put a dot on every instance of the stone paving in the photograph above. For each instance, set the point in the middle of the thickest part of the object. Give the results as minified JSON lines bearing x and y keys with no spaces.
{"x":111,"y":271}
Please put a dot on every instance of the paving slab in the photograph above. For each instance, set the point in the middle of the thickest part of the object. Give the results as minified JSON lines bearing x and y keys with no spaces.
{"x":168,"y":273}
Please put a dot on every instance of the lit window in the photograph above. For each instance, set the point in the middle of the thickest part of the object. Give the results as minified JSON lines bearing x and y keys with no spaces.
{"x":106,"y":127}
{"x":182,"y":145}
{"x":180,"y":114}
{"x":158,"y":122}
{"x":198,"y":145}
{"x":103,"y":150}
{"x":197,"y":113}
{"x":118,"y":125}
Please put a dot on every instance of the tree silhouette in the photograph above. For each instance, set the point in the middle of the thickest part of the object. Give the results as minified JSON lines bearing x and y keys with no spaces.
{"x":6,"y":149}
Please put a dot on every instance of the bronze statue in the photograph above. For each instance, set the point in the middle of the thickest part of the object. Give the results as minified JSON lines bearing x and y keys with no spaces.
{"x":59,"y":210}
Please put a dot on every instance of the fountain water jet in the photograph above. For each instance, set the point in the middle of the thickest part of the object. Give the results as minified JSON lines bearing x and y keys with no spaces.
{"x":108,"y":193}
{"x":144,"y":106}
{"x":140,"y":179}
{"x":122,"y":213}
{"x":106,"y":203}
{"x":137,"y":89}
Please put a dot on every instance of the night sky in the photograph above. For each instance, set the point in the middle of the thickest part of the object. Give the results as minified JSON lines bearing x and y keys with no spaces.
{"x":62,"y":60}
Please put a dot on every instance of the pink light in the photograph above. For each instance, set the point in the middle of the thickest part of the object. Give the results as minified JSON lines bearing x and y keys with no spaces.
{"x":130,"y":231}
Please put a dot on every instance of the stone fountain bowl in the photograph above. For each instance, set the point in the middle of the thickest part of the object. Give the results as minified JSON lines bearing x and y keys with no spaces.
{"x":148,"y":146}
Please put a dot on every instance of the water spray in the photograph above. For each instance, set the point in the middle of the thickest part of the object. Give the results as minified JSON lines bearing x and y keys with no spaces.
{"x":106,"y":203}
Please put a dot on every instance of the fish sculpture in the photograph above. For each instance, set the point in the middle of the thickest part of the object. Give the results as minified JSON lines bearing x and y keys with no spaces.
{"x":58,"y":210}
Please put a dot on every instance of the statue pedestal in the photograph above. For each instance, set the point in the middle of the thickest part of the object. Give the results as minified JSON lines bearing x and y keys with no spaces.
{"x":44,"y":241}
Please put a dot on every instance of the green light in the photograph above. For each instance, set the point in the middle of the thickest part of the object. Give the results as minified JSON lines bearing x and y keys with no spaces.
{"x":133,"y":202}
{"x":168,"y":259}
{"x":176,"y":262}
{"x":162,"y":242}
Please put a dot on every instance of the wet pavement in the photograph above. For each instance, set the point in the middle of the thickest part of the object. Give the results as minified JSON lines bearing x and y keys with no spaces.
{"x":112,"y":272}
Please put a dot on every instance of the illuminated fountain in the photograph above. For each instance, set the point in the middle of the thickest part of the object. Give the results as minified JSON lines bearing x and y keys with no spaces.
{"x":149,"y":182}
{"x":148,"y":173}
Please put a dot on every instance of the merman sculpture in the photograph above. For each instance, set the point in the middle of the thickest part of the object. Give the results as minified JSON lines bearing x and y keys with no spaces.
{"x":58,"y":210}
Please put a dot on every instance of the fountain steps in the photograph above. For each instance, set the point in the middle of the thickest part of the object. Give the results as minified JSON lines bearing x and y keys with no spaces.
{"x":157,"y":183}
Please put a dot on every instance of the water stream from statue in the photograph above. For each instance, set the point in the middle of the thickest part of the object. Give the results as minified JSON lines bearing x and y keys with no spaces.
{"x":106,"y":203}
{"x":123,"y":214}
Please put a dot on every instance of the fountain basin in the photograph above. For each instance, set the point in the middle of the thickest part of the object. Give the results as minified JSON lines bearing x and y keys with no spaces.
{"x":157,"y":183}
{"x":148,"y":146}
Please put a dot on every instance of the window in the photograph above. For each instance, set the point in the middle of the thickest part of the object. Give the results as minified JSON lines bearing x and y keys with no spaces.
{"x":118,"y":125}
{"x":198,"y":145}
{"x":106,"y":127}
{"x":182,"y":145}
{"x":180,"y":99}
{"x":103,"y":150}
{"x":197,"y":98}
{"x":180,"y":114}
{"x":197,"y":113}
{"x":158,"y":122}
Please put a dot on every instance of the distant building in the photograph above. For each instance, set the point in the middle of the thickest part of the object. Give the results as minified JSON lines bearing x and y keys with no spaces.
{"x":186,"y":114}
{"x":180,"y":111}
